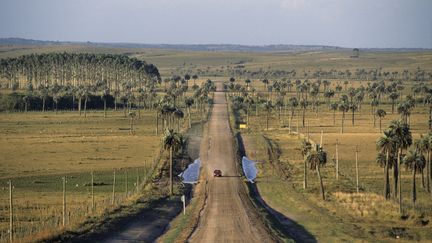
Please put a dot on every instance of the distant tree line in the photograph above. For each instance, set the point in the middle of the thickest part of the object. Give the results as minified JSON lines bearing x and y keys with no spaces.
{"x":75,"y":70}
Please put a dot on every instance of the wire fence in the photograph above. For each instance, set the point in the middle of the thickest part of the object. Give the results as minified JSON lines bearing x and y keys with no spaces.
{"x":40,"y":206}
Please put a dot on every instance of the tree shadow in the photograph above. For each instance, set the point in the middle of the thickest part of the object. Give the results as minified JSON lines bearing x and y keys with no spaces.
{"x":286,"y":225}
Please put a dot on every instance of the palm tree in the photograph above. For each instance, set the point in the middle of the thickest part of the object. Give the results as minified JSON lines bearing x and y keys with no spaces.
{"x":303,"y":104}
{"x":171,"y":141}
{"x":317,"y":158}
{"x":343,"y":107}
{"x":386,"y":145}
{"x":178,"y":114}
{"x":353,"y":107}
{"x":293,"y":103}
{"x":43,"y":94}
{"x":268,"y":107}
{"x":249,"y":102}
{"x":404,"y":110}
{"x":393,"y":96}
{"x":381,"y":114}
{"x":374,"y":103}
{"x":132,"y":116}
{"x":415,"y":162}
{"x":422,"y":145}
{"x":189,"y":102}
{"x":334,"y":106}
{"x":247,"y":81}
{"x":305,"y":148}
{"x":103,"y":90}
{"x":194,"y":77}
{"x":403,"y":139}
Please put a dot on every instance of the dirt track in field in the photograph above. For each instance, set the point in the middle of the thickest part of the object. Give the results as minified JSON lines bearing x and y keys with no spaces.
{"x":228,"y":215}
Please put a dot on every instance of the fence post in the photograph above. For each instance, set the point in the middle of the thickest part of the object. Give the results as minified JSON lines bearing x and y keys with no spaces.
{"x":92,"y":191}
{"x":137,"y":179}
{"x":64,"y":201}
{"x":11,"y":230}
{"x":113,"y":189}
{"x":126,"y":182}
{"x":337,"y":160}
{"x":357,"y":172}
{"x":321,"y":140}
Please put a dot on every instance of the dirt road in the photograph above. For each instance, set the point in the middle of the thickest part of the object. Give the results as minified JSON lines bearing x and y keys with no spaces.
{"x":228,"y":215}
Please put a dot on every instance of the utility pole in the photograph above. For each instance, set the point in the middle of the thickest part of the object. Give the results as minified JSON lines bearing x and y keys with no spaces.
{"x":126,"y":182}
{"x":137,"y":179}
{"x":92,"y":191}
{"x":357,"y":171}
{"x":337,"y":160}
{"x":321,"y":140}
{"x":113,"y":189}
{"x":64,"y":202}
{"x":11,"y":231}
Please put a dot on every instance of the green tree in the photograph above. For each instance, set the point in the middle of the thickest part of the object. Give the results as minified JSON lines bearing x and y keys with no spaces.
{"x":171,"y":141}
{"x":343,"y":107}
{"x":334,"y":107}
{"x":386,"y":145}
{"x":189,"y":102}
{"x":415,"y":162}
{"x":317,"y":158}
{"x":401,"y":134}
{"x":268,"y":107}
{"x":380,"y":113}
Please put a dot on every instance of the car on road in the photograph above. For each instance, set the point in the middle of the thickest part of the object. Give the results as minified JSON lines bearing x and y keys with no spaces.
{"x":217,"y":173}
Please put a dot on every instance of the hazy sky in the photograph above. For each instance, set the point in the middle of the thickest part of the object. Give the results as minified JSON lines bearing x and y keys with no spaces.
{"x":348,"y":23}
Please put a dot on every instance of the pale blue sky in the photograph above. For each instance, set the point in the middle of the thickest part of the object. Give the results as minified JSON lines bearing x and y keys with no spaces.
{"x":347,"y":23}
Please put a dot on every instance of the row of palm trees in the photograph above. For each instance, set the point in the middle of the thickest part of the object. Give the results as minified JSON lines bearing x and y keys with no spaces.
{"x":242,"y":72}
{"x":312,"y":94}
{"x":173,"y":140}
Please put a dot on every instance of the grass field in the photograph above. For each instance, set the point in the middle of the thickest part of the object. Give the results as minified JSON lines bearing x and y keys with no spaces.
{"x":38,"y":149}
{"x":170,"y":62}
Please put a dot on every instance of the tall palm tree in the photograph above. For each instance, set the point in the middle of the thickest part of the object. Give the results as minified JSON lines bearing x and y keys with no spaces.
{"x":268,"y":107}
{"x":422,"y":145}
{"x":178,"y":114}
{"x":189,"y":102}
{"x":415,"y":162}
{"x":304,"y":104}
{"x":132,"y":116}
{"x":293,"y":103}
{"x":403,"y":139}
{"x":343,"y":107}
{"x":393,"y":96}
{"x":386,"y":145}
{"x":353,"y":107}
{"x":380,"y":113}
{"x":334,"y":106}
{"x":43,"y":94}
{"x":171,"y":141}
{"x":317,"y":158}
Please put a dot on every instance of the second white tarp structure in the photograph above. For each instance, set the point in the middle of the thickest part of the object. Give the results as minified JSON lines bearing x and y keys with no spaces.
{"x":191,"y":174}
{"x":249,"y":169}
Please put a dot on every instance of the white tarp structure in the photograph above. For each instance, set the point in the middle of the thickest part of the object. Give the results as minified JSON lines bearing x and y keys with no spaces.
{"x":191,"y":174}
{"x":249,"y":169}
